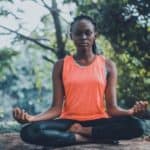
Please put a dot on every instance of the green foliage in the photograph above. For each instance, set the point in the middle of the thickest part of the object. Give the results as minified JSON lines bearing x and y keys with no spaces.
{"x":133,"y":79}
{"x":124,"y":23}
{"x":4,"y":12}
{"x":10,"y":1}
{"x":6,"y":55}
{"x":27,"y":88}
{"x":25,"y":79}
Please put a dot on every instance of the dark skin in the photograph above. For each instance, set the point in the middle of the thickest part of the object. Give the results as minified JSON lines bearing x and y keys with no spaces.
{"x":83,"y":35}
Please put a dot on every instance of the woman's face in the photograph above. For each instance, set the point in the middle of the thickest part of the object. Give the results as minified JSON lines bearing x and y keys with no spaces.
{"x":83,"y":34}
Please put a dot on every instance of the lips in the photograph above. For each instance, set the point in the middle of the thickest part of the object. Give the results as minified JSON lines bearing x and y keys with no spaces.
{"x":83,"y":44}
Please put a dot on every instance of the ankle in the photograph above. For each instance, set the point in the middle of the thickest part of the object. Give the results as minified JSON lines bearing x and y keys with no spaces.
{"x":87,"y":131}
{"x":81,"y":138}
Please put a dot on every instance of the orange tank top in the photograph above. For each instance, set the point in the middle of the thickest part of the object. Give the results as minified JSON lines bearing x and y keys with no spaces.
{"x":84,"y":89}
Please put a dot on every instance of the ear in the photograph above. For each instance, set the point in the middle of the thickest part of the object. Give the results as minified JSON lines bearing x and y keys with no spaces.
{"x":96,"y":34}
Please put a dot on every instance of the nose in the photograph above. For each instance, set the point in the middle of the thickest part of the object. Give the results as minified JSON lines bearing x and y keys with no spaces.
{"x":83,"y":36}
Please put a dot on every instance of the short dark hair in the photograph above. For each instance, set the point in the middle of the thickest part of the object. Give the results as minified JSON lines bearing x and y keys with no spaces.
{"x":81,"y":17}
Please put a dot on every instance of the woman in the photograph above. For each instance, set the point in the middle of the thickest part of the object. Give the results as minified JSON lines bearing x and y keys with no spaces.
{"x":81,"y":84}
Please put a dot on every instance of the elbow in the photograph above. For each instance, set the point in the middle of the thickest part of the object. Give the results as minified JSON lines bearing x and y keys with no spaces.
{"x":112,"y":111}
{"x":57,"y":110}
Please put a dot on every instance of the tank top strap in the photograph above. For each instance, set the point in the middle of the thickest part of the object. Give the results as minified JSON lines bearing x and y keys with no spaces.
{"x":102,"y":61}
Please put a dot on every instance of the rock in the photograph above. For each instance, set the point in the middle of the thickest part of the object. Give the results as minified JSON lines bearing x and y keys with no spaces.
{"x":12,"y":141}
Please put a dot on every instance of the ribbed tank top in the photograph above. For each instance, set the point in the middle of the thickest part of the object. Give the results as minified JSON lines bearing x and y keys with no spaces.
{"x":84,"y":89}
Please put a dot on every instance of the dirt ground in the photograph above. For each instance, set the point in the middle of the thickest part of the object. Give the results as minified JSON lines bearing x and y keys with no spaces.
{"x":12,"y":141}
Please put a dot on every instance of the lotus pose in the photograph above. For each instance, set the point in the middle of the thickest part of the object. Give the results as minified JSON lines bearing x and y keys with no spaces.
{"x":84,"y":100}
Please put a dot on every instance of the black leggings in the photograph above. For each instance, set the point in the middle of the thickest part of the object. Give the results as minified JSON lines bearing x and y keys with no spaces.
{"x":54,"y":132}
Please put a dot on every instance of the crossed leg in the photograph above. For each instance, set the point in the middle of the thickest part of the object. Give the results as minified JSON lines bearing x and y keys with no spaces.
{"x":109,"y":129}
{"x":62,"y":132}
{"x":48,"y":133}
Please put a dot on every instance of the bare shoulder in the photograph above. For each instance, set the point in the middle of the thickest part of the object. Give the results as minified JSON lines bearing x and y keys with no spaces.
{"x":59,"y":63}
{"x":58,"y":67}
{"x":110,"y":66}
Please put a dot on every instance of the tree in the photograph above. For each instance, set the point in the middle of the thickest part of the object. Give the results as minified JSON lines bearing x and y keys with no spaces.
{"x":29,"y":84}
{"x":5,"y":60}
{"x":125,"y":23}
{"x":42,"y":41}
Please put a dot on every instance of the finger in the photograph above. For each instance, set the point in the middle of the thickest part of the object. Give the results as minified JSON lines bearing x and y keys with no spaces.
{"x":138,"y":107}
{"x":26,"y":117}
{"x":16,"y":113}
{"x":13,"y":112}
{"x":135,"y":108}
{"x":142,"y":106}
{"x":146,"y":104}
{"x":22,"y":114}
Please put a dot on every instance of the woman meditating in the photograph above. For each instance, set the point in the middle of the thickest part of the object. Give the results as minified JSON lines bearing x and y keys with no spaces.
{"x":83,"y":84}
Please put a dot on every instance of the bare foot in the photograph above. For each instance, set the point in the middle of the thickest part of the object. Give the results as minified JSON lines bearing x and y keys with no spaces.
{"x":81,"y":139}
{"x":78,"y":128}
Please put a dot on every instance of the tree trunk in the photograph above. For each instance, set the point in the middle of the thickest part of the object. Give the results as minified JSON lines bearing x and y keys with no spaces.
{"x":60,"y":44}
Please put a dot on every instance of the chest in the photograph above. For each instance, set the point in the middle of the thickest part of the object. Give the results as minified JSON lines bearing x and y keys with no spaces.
{"x":85,"y":77}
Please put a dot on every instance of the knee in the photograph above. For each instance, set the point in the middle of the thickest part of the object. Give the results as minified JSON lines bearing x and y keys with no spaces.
{"x":24,"y":133}
{"x":29,"y":133}
{"x":137,"y":126}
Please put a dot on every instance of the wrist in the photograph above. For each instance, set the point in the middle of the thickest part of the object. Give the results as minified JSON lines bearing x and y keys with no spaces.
{"x":131,"y":111}
{"x":31,"y":119}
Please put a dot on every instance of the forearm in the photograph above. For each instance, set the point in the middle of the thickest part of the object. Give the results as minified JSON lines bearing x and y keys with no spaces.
{"x":49,"y":114}
{"x":117,"y":111}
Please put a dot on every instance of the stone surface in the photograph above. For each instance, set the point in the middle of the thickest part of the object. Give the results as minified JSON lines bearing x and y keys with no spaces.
{"x":12,"y":141}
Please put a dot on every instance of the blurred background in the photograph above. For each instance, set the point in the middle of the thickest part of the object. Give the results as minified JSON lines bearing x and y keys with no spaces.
{"x":34,"y":34}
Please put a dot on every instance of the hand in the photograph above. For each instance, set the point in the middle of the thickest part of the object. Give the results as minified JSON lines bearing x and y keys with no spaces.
{"x":139,"y":107}
{"x":21,"y":116}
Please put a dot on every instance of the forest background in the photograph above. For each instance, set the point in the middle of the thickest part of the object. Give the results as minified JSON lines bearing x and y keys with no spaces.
{"x":34,"y":34}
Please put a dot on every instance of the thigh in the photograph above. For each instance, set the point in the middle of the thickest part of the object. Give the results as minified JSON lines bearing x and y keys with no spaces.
{"x":54,"y":124}
{"x":107,"y":121}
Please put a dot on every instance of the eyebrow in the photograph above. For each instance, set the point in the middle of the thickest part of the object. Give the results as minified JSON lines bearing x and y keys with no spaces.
{"x":86,"y":29}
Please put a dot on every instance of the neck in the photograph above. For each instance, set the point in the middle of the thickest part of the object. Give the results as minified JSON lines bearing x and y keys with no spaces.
{"x":84,"y":55}
{"x":84,"y":58}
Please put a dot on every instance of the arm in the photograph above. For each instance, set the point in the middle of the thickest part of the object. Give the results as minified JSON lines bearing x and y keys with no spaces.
{"x":111,"y":98}
{"x":58,"y":96}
